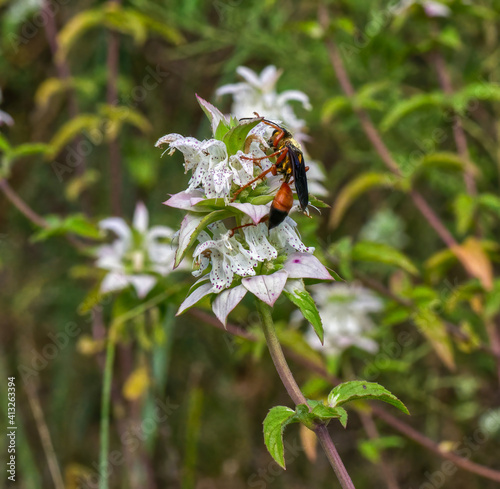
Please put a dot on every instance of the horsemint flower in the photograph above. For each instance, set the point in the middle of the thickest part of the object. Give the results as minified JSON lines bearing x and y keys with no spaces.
{"x":345,"y":311}
{"x":258,"y":94}
{"x":234,"y":252}
{"x":431,"y":8}
{"x":4,"y":117}
{"x":138,"y":256}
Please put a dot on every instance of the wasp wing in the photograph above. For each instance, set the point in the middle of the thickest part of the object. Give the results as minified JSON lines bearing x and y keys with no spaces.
{"x":299,"y":176}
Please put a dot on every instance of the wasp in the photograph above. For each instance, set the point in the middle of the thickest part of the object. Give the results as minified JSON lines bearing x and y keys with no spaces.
{"x":290,"y":164}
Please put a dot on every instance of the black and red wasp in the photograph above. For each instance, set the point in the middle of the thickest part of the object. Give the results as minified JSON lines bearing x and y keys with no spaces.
{"x":290,"y":163}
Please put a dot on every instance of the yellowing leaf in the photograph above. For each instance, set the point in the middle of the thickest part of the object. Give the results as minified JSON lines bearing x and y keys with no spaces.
{"x":137,"y":384}
{"x":473,"y":257}
{"x":309,"y":442}
{"x":70,"y":129}
{"x":434,"y":329}
{"x":86,"y":345}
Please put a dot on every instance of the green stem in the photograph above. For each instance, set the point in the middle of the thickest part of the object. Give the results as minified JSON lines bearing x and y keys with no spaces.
{"x":105,"y":408}
{"x":296,"y":395}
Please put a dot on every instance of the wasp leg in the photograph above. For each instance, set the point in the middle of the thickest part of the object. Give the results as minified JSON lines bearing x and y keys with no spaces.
{"x":282,"y":154}
{"x":264,"y":173}
{"x":276,"y":153}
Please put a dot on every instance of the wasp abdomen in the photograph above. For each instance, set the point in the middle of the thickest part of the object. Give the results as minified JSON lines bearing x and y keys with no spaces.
{"x":281,"y":205}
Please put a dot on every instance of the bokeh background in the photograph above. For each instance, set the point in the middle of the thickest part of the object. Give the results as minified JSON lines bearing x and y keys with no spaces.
{"x":91,"y":86}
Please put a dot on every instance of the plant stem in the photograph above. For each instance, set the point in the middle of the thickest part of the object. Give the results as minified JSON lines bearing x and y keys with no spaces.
{"x":296,"y":395}
{"x":105,"y":408}
{"x":378,"y":411}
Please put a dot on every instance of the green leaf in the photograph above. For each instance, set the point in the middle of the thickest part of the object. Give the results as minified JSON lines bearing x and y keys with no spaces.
{"x":221,"y":131}
{"x":382,"y":253}
{"x":4,"y":144}
{"x":355,"y":189}
{"x":406,"y":107}
{"x":76,"y":224}
{"x":274,"y":425}
{"x":260,"y":199}
{"x":371,"y":449}
{"x":434,"y":329}
{"x":446,"y":161}
{"x":303,"y":300}
{"x":80,"y":225}
{"x":28,"y":149}
{"x":362,"y":390}
{"x":314,"y":201}
{"x":323,"y":413}
{"x":235,"y":138}
{"x":464,"y":207}
{"x":490,"y":202}
{"x":334,"y":105}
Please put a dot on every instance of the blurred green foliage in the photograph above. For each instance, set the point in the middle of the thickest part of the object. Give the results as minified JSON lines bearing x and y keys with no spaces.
{"x":210,"y":405}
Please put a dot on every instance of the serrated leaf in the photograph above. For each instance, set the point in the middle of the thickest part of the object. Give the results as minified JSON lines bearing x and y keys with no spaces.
{"x":354,"y":189}
{"x":382,"y":253}
{"x":234,"y":139}
{"x":191,"y":227}
{"x":434,"y":329}
{"x":362,"y":390}
{"x":303,"y":300}
{"x":274,"y":425}
{"x":406,"y":107}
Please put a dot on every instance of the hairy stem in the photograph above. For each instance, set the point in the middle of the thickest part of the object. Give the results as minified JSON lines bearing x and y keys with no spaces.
{"x":105,"y":410}
{"x":458,"y":130}
{"x":296,"y":395}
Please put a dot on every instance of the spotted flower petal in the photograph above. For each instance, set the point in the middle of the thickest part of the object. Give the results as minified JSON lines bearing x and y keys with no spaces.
{"x":266,"y":287}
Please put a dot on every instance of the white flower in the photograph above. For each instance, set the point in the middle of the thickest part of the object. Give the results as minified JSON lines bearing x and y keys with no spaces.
{"x":258,"y":94}
{"x":226,"y":255}
{"x":4,"y":117}
{"x":137,"y":256}
{"x":431,"y":8}
{"x":344,"y":311}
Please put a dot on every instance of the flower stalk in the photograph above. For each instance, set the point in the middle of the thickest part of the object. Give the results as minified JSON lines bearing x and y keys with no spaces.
{"x":296,"y":395}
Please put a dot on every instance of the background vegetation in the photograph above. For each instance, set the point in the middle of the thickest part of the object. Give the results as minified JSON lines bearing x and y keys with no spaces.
{"x":405,"y":111}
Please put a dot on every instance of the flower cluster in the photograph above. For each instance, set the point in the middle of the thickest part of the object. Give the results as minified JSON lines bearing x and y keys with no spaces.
{"x":345,"y":311}
{"x":257,"y":93}
{"x":138,"y":256}
{"x":234,"y":252}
